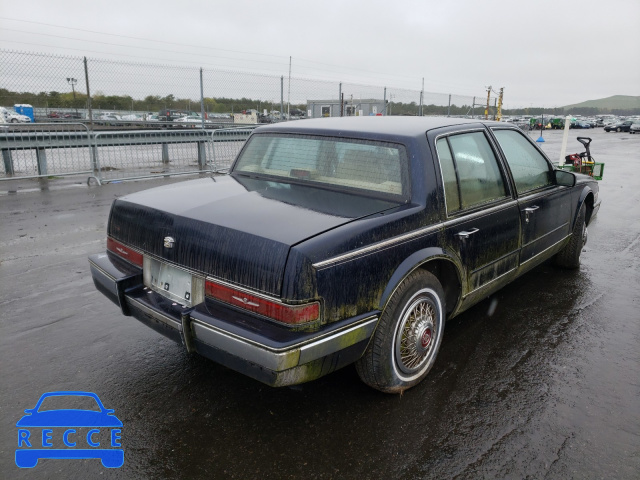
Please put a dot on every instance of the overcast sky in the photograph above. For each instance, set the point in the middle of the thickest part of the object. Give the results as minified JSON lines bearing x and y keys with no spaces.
{"x":544,"y":53}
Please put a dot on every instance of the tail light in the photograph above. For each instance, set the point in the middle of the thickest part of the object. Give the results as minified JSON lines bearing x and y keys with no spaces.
{"x":273,"y":309}
{"x":125,"y":252}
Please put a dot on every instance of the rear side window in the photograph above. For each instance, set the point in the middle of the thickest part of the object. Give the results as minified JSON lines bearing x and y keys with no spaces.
{"x":468,"y":160}
{"x":377,"y":167}
{"x":529,"y":168}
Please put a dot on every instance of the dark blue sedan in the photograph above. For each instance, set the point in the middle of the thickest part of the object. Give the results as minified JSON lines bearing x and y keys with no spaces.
{"x":342,"y":240}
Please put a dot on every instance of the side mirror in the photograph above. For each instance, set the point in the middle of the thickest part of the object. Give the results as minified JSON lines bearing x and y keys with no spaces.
{"x":567,"y":179}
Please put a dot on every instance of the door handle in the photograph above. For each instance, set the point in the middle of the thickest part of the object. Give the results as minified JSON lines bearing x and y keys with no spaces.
{"x":465,"y":234}
{"x":528,"y":211}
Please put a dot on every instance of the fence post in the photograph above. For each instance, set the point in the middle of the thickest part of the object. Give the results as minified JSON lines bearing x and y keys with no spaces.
{"x":340,"y":98}
{"x":165,"y":153}
{"x":473,"y":108}
{"x":8,"y":162}
{"x":86,"y":78}
{"x":201,"y":98}
{"x":420,"y":111}
{"x":281,"y":97}
{"x":384,"y":102}
{"x":449,"y":107}
{"x":41,"y":157}
{"x":202,"y":155}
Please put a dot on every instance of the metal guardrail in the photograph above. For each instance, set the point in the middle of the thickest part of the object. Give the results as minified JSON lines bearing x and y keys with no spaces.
{"x":45,"y":150}
{"x":35,"y":150}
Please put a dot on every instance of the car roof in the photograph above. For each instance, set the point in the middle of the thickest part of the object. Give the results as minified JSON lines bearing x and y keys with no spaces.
{"x":407,"y":127}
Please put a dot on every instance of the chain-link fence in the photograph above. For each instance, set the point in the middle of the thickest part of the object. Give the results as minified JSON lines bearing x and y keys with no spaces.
{"x":109,"y":96}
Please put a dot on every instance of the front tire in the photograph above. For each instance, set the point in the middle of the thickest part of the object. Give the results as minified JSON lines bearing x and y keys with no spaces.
{"x":406,"y":342}
{"x":569,"y":256}
{"x":618,"y":129}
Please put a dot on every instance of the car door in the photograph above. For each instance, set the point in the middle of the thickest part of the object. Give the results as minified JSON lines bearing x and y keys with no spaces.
{"x":545,"y":207}
{"x":482,"y":219}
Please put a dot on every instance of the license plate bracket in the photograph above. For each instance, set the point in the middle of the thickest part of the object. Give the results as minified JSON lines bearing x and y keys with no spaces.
{"x":172,"y":282}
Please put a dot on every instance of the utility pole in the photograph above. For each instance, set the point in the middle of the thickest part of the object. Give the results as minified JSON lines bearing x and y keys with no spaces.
{"x":486,"y":110}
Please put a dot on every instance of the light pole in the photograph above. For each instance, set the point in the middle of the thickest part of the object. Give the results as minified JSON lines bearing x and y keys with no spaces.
{"x":72,"y":82}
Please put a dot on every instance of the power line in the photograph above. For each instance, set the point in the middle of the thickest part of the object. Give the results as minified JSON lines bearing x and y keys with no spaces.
{"x":138,"y":38}
{"x":340,"y":68}
{"x":131,"y":46}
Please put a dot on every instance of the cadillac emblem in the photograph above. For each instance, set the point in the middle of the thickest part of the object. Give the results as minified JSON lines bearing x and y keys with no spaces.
{"x":168,"y":242}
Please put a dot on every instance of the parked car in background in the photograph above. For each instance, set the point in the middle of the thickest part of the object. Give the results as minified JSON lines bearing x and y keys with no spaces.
{"x":10,"y":116}
{"x":580,"y":124}
{"x":341,"y":240}
{"x":190,"y":119}
{"x":619,"y":127}
{"x":131,"y":117}
{"x":169,"y":115}
{"x":635,"y":127}
{"x":108,"y":116}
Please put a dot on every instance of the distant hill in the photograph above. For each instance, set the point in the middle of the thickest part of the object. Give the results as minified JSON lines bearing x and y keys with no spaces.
{"x":617,"y":102}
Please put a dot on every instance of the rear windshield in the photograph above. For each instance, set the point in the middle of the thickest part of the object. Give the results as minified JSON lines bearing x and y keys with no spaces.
{"x":377,"y":168}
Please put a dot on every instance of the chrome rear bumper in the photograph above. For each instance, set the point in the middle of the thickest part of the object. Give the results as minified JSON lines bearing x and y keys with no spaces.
{"x":279,"y":358}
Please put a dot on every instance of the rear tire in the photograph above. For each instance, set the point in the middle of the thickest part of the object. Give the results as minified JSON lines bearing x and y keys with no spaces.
{"x":569,"y":256}
{"x":406,"y":342}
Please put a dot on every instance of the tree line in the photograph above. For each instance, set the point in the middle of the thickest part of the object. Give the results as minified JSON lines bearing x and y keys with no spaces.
{"x":155,"y":103}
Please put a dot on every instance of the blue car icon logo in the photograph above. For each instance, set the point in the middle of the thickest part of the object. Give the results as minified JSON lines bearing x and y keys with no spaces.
{"x":91,"y":431}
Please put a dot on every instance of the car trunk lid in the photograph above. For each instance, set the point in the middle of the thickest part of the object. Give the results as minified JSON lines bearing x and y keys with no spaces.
{"x":238,"y":230}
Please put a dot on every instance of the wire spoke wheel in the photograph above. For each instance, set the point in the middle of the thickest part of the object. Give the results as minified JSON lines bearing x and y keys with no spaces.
{"x":406,"y":342}
{"x":415,"y":335}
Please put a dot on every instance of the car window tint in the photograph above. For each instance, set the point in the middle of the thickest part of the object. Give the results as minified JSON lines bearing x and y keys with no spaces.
{"x":378,"y":167}
{"x":448,"y":175}
{"x":478,"y":172}
{"x":529,"y":168}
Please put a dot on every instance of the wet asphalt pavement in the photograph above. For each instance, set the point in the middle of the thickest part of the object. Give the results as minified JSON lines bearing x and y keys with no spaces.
{"x":548,"y":386}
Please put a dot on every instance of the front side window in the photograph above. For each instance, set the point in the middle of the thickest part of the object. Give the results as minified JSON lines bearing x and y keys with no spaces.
{"x":374,"y":167}
{"x":529,"y":168}
{"x":468,"y":159}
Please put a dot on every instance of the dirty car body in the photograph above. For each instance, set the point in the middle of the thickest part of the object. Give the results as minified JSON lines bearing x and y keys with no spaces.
{"x":334,"y":241}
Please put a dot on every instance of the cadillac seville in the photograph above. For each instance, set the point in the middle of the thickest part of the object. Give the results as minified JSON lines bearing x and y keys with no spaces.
{"x":342,"y":240}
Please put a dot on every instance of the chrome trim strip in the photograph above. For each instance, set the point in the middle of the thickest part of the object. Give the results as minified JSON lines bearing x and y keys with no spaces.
{"x":480,"y":213}
{"x":243,"y":348}
{"x":333,"y":343}
{"x":285,"y":358}
{"x":378,"y":246}
{"x":540,"y":192}
{"x":170,"y":322}
{"x":545,"y":250}
{"x":548,"y":233}
{"x":489,"y":283}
